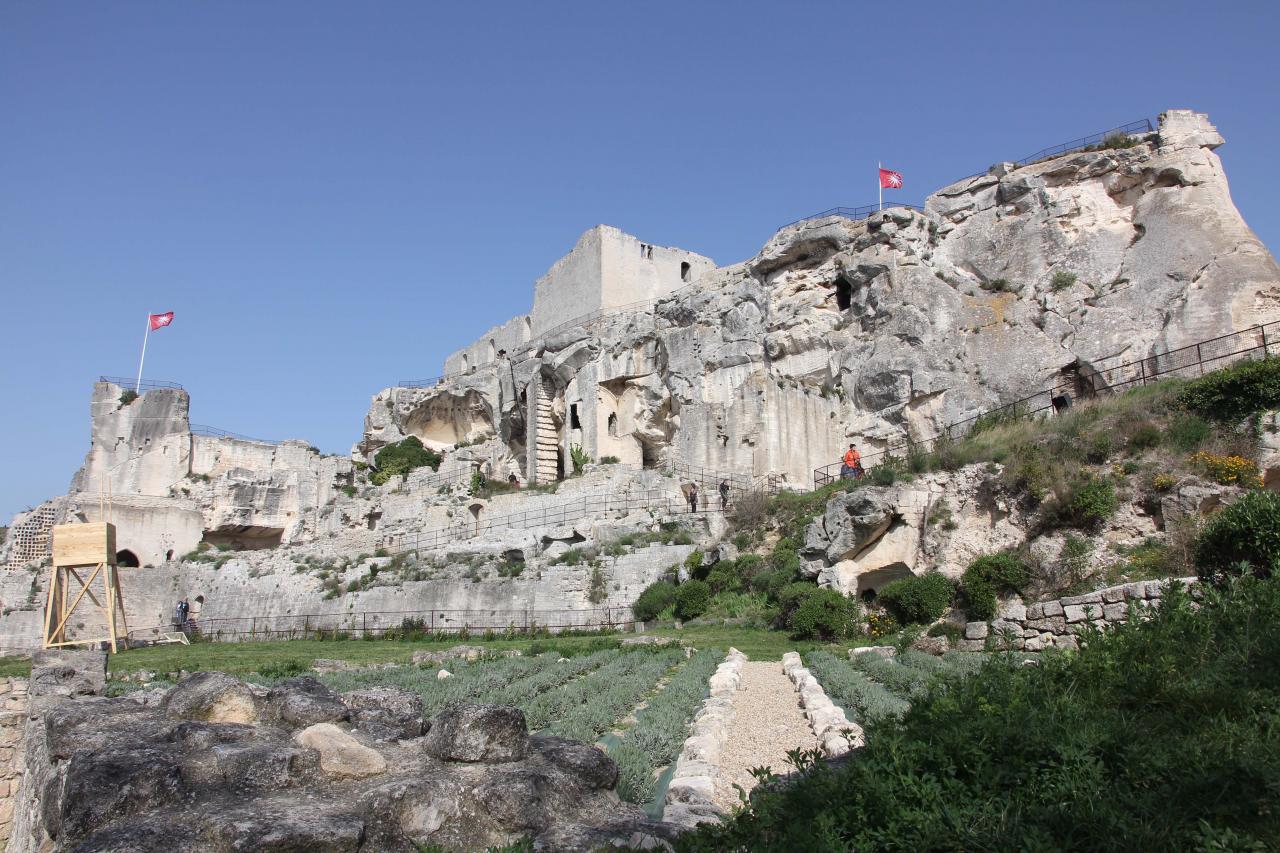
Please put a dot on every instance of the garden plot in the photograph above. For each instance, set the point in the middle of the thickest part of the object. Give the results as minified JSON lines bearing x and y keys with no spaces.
{"x":870,"y":687}
{"x":654,"y":742}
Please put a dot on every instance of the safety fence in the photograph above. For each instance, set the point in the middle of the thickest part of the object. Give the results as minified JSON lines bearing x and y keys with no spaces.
{"x":854,"y":213}
{"x":1087,"y":382}
{"x":215,"y":432}
{"x":130,"y":382}
{"x":358,"y":625}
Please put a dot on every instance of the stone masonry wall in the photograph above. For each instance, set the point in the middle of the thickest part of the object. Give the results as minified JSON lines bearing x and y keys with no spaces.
{"x":13,"y":715}
{"x":1055,"y":624}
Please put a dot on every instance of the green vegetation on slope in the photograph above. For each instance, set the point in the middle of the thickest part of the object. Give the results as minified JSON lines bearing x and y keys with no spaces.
{"x":1156,"y":736}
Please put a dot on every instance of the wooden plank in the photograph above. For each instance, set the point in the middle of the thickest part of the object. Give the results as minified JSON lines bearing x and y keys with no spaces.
{"x":84,"y":544}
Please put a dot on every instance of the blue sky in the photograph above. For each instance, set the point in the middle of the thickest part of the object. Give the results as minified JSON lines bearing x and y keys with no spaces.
{"x":333,"y":196}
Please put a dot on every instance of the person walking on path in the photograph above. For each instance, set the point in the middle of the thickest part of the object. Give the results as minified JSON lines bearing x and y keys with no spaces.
{"x":693,"y":497}
{"x":724,"y":495}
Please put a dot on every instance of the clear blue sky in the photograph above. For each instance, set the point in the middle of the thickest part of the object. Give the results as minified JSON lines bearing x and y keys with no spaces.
{"x":333,"y":196}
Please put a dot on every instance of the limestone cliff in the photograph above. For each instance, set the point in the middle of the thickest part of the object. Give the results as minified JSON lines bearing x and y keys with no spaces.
{"x":882,"y":328}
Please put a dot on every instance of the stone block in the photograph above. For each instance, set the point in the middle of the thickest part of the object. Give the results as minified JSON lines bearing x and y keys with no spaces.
{"x":68,"y":672}
{"x":976,"y":631}
{"x":1075,"y":613}
{"x":483,"y":733}
{"x":1112,"y":594}
{"x":1114,"y":612}
{"x":1052,"y":608}
{"x":1136,"y":591}
{"x":970,"y":645}
{"x":1013,"y":611}
{"x":1035,"y":611}
{"x":1052,"y":624}
{"x":1087,"y":598}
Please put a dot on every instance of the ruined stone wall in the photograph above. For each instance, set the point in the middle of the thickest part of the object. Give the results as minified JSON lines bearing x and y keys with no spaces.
{"x":13,"y":719}
{"x":1056,"y":623}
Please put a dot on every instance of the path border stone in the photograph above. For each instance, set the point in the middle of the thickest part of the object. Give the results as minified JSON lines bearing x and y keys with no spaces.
{"x":834,"y":731}
{"x":691,"y":793}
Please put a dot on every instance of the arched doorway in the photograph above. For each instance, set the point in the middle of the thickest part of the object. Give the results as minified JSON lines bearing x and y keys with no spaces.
{"x":126,"y":559}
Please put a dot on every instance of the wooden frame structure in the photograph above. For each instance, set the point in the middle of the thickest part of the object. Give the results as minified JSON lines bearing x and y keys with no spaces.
{"x":89,"y":549}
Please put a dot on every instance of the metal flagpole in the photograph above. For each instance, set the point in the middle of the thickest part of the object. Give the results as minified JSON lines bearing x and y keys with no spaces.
{"x":879,"y":185}
{"x":138,"y":386}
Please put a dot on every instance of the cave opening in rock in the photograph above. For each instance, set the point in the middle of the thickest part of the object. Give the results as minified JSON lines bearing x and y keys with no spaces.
{"x":168,"y":556}
{"x":127,"y":559}
{"x":685,"y":270}
{"x":613,"y":424}
{"x":559,"y":463}
{"x":844,"y":293}
{"x":574,"y":421}
{"x":648,"y":456}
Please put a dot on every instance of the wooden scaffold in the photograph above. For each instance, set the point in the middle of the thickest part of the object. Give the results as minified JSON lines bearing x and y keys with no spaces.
{"x":90,"y":550}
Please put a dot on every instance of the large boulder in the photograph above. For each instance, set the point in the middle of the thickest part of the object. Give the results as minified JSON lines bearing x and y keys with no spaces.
{"x":304,"y":701}
{"x":68,"y":672}
{"x":386,"y":713}
{"x":484,"y":733}
{"x":852,"y":521}
{"x":213,"y":697}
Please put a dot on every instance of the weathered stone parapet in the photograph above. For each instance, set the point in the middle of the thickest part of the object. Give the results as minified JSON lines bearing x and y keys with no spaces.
{"x":691,"y":792}
{"x":1055,"y":623}
{"x":13,"y":717}
{"x":834,"y":731}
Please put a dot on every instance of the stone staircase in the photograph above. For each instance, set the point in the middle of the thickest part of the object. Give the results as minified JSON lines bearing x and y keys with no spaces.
{"x":545,"y":456}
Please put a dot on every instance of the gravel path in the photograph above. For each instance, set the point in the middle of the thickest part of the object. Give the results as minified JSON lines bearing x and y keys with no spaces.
{"x":767,"y":723}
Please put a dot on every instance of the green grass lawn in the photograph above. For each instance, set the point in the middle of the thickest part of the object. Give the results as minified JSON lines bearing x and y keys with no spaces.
{"x":241,"y":658}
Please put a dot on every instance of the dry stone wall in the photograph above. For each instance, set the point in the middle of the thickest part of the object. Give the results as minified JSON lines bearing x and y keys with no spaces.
{"x":1056,"y":623}
{"x":835,"y":733}
{"x":13,"y":718}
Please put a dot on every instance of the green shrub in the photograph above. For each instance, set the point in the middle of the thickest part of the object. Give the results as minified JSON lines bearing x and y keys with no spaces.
{"x":951,"y":631}
{"x":917,"y":600}
{"x":997,"y":285}
{"x":609,"y":460}
{"x":1157,"y":735}
{"x":578,"y":458}
{"x":598,"y":591}
{"x":284,"y":669}
{"x":692,"y":599}
{"x":1243,"y":538}
{"x":825,"y":614}
{"x":1234,"y":393}
{"x":128,"y":396}
{"x":1084,"y":502}
{"x":1187,"y":432}
{"x":1061,"y":280}
{"x":725,"y":577}
{"x":401,"y":458}
{"x":790,"y":596}
{"x":988,"y":576}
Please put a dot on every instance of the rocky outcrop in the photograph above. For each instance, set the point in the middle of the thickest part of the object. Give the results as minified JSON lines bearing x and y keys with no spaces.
{"x":117,"y":775}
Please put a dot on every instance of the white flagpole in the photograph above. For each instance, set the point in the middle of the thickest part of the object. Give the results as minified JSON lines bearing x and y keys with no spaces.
{"x":880,"y":183}
{"x":138,"y":387}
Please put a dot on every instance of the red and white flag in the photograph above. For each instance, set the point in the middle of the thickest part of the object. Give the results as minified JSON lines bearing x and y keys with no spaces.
{"x":159,"y":321}
{"x":890,"y":180}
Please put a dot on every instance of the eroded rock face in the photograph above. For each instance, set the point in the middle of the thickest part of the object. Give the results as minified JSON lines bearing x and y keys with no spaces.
{"x":114,"y":774}
{"x":67,"y":672}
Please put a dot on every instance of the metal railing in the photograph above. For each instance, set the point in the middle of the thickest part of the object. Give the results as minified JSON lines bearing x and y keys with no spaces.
{"x":215,"y":432}
{"x":854,"y":213}
{"x":1101,"y":378}
{"x":379,"y":622}
{"x":1143,"y":125}
{"x":129,"y":382}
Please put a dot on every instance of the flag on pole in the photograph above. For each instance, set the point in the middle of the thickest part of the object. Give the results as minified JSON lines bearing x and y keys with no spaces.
{"x":890,"y":180}
{"x":159,"y":321}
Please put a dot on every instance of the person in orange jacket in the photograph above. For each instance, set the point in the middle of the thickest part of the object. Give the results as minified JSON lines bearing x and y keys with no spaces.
{"x":852,"y":464}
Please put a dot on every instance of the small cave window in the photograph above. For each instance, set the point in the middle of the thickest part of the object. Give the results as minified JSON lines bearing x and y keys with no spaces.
{"x":168,"y":556}
{"x":613,"y":424}
{"x":127,"y":559}
{"x":493,"y":350}
{"x":868,"y":596}
{"x":373,"y":519}
{"x":524,"y":397}
{"x":574,"y":421}
{"x":685,"y":271}
{"x":466,"y":362}
{"x":844,"y":293}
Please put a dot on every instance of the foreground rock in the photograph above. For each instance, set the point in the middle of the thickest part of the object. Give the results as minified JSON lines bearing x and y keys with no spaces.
{"x":222,"y":766}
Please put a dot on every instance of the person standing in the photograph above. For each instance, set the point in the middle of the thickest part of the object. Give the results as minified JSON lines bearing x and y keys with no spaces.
{"x":693,"y":497}
{"x":851,"y":465}
{"x":724,"y":495}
